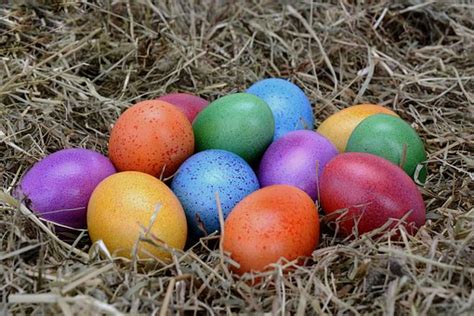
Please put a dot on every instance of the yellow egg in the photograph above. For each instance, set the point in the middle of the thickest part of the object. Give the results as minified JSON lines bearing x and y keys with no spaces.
{"x":339,"y":126}
{"x":123,"y":207}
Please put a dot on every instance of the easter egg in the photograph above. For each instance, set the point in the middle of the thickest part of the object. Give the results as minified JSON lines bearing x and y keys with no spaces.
{"x":278,"y":221}
{"x":153,"y":137}
{"x":290,"y":106}
{"x":364,"y":191}
{"x":297,"y":159}
{"x":189,"y":104}
{"x":58,"y":187}
{"x":240,"y":123}
{"x":391,"y":138}
{"x":339,"y":126}
{"x":131,"y":204}
{"x":203,"y":175}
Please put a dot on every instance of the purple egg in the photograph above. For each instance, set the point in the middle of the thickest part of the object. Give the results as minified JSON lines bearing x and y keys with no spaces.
{"x":298,"y":158}
{"x":58,"y":187}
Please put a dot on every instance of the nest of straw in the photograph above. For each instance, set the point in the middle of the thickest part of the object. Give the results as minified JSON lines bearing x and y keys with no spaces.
{"x":69,"y":68}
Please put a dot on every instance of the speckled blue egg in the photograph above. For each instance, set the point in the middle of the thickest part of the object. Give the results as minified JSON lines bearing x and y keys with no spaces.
{"x":200,"y":177}
{"x":290,"y":106}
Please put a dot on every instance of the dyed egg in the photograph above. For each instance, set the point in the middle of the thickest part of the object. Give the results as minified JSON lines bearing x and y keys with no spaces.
{"x":203,"y":175}
{"x":391,"y":138}
{"x":58,"y":187}
{"x":131,"y":204}
{"x":240,"y":123}
{"x":189,"y":104}
{"x":364,"y":191}
{"x":290,"y":106}
{"x":278,"y":221}
{"x":153,"y":137}
{"x":339,"y":126}
{"x":297,"y":159}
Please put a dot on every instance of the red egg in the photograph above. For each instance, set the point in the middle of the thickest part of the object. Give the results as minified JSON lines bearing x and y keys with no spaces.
{"x":279,"y":221}
{"x":189,"y":104}
{"x":366,"y":191}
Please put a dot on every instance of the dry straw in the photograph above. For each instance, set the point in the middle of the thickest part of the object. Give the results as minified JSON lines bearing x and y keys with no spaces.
{"x":69,"y":68}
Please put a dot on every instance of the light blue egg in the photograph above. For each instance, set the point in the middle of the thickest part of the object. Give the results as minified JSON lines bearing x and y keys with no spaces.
{"x":290,"y":106}
{"x":201,"y":176}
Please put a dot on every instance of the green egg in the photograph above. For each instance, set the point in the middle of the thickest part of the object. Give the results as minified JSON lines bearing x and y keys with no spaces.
{"x":240,"y":123}
{"x":391,"y":138}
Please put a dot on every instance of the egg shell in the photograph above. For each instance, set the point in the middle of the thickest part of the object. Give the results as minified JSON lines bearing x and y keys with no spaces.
{"x":368,"y":190}
{"x":391,"y":138}
{"x":189,"y":104}
{"x":278,"y":221}
{"x":290,"y":106}
{"x":297,"y":159}
{"x":131,"y":203}
{"x":339,"y":126}
{"x":240,"y":123}
{"x":58,"y":187}
{"x":203,"y":175}
{"x":153,"y":137}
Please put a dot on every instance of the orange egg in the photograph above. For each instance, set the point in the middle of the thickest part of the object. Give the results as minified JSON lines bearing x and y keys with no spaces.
{"x":152,"y":137}
{"x":278,"y":221}
{"x":128,"y":204}
{"x":339,"y":126}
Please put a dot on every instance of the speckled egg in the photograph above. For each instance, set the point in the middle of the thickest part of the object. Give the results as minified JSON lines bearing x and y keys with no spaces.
{"x":153,"y":137}
{"x":297,"y":159}
{"x":240,"y":123}
{"x":290,"y":106}
{"x":279,"y":221}
{"x":58,"y":187}
{"x":362,"y":192}
{"x":189,"y":104}
{"x":339,"y":126}
{"x":203,"y":175}
{"x":392,"y":138}
{"x":131,"y":204}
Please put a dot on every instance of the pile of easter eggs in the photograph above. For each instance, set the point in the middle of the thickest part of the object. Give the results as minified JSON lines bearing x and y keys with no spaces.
{"x":178,"y":166}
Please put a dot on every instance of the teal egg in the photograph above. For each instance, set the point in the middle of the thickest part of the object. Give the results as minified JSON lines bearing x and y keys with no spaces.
{"x":240,"y":123}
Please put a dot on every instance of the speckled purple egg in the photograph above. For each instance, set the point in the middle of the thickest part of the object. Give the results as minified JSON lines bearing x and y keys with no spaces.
{"x":59,"y":186}
{"x":297,"y":159}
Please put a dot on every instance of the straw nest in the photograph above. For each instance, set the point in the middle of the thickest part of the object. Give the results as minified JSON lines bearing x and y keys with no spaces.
{"x":69,"y":68}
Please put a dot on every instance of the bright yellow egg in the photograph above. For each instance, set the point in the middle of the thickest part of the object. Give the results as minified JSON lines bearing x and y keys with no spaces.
{"x":339,"y":126}
{"x":131,"y":204}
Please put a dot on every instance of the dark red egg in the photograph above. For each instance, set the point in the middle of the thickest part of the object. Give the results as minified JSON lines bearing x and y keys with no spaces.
{"x":366,"y":191}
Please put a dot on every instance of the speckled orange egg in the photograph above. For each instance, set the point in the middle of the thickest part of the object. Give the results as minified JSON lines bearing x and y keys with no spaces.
{"x":279,"y":221}
{"x":339,"y":126}
{"x":152,"y":137}
{"x":129,"y":204}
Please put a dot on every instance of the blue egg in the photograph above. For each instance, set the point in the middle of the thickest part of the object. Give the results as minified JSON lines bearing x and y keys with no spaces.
{"x":290,"y":106}
{"x":200,"y":177}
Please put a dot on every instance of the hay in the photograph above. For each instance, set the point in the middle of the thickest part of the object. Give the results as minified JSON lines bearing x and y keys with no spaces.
{"x":68,"y":69}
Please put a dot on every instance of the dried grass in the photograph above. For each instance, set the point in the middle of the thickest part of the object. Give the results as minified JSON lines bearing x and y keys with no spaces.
{"x":68,"y":69}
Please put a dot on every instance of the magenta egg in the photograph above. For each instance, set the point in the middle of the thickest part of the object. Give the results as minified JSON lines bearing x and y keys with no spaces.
{"x":297,"y":159}
{"x":364,"y":191}
{"x":189,"y":104}
{"x":58,"y":187}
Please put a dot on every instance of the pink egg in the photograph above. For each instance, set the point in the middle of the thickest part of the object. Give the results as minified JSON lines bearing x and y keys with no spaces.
{"x":189,"y":104}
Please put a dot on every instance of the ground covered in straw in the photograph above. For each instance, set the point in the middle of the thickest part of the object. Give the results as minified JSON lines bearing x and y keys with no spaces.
{"x":67,"y":70}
